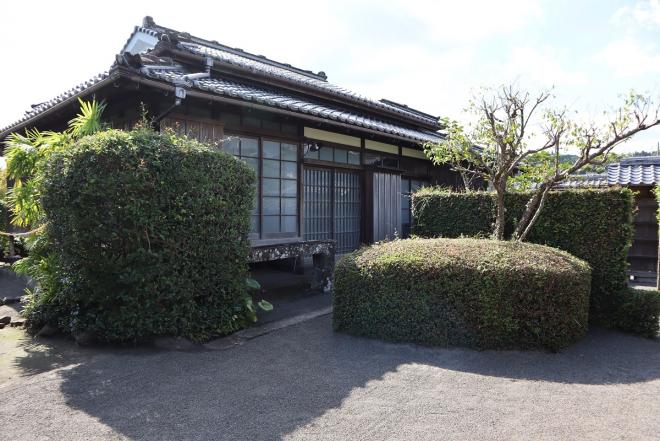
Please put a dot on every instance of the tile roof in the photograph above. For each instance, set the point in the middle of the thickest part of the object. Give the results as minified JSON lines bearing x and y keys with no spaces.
{"x":635,"y":171}
{"x":70,"y":93}
{"x":276,"y":98}
{"x":309,"y":81}
{"x":642,"y":171}
{"x":405,"y":121}
{"x":588,"y":180}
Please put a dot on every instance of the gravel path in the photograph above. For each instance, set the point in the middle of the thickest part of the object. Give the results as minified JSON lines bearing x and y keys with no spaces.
{"x":306,"y":383}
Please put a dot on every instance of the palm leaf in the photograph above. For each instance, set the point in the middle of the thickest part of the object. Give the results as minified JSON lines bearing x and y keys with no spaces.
{"x":88,"y":121}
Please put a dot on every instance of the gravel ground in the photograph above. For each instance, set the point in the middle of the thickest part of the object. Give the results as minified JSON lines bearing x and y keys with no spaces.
{"x":306,"y":383}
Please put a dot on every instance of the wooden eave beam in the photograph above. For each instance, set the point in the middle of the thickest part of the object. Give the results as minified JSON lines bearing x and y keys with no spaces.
{"x":233,"y":101}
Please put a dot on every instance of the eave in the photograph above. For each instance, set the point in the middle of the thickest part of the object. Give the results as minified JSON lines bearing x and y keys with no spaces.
{"x":170,"y":88}
{"x":112,"y":76}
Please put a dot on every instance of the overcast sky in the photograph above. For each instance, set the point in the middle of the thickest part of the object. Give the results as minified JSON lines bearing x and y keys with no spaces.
{"x":427,"y":54}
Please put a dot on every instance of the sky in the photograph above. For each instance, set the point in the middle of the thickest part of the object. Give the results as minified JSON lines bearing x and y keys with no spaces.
{"x":431,"y":55}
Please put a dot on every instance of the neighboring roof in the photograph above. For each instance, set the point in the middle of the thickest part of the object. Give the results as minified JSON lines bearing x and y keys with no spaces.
{"x":642,"y":170}
{"x":276,"y":98}
{"x":342,"y":105}
{"x":587,"y":180}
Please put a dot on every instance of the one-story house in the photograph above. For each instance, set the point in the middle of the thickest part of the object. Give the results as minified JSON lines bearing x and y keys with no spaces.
{"x":332,"y":164}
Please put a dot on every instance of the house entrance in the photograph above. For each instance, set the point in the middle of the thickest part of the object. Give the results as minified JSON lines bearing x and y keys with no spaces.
{"x":332,"y":206}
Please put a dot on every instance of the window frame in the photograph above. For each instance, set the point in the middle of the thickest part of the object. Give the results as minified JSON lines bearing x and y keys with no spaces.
{"x":261,"y":236}
{"x":323,"y":163}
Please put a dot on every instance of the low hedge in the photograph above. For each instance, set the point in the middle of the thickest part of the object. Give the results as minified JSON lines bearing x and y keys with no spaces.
{"x":594,"y":225}
{"x":639,"y":313}
{"x":469,"y":292}
{"x":147,"y":235}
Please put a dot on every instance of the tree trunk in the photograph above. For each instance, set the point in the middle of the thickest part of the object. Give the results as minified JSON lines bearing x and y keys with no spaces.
{"x":466,"y":181}
{"x":500,"y":215}
{"x":537,"y":212}
{"x":532,"y":208}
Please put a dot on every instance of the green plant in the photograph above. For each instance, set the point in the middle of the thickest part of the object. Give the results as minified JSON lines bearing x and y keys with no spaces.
{"x":264,"y":305}
{"x":639,"y":312}
{"x":470,"y":292}
{"x":146,"y":234}
{"x":594,"y":225}
{"x":28,"y":155}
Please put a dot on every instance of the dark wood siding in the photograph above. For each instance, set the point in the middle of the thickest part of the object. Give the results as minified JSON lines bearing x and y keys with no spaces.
{"x":643,"y":254}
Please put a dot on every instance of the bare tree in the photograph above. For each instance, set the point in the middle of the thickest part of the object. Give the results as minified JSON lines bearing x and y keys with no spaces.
{"x":512,"y":126}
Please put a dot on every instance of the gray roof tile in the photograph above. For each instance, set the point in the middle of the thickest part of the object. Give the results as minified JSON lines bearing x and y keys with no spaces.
{"x":589,"y":180}
{"x":276,"y":98}
{"x":642,"y":171}
{"x":635,"y":171}
{"x":309,"y":81}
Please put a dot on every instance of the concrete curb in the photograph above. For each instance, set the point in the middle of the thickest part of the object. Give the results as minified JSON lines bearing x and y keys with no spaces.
{"x":245,"y":335}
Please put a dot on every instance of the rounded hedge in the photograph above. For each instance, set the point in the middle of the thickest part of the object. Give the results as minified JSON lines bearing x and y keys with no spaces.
{"x":468,"y":292}
{"x":147,"y":235}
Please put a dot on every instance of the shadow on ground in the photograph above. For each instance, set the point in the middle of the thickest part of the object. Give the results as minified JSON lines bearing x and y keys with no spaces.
{"x":280,"y":382}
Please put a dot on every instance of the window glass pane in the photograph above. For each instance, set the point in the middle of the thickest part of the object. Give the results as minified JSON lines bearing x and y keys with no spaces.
{"x":390,"y":162}
{"x":289,"y":206}
{"x":230,"y":145}
{"x":271,"y":187}
{"x":312,"y":155}
{"x":271,"y":224}
{"x":271,"y":149}
{"x":289,"y":170}
{"x":372,"y":159}
{"x":251,"y":121}
{"x":253,"y":163}
{"x":325,"y":154}
{"x":271,"y":206}
{"x":289,"y":224}
{"x":341,"y":156}
{"x":289,"y":152}
{"x":289,"y":188}
{"x":254,"y":224}
{"x":289,"y":129}
{"x":271,"y":168}
{"x":255,"y":205}
{"x":353,"y":157}
{"x":270,"y":125}
{"x":249,"y":147}
{"x":415,"y":185}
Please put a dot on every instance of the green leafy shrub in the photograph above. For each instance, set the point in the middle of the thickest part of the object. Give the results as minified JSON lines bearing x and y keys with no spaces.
{"x":469,"y":292}
{"x":146,"y":235}
{"x":640,"y":312}
{"x":594,"y":225}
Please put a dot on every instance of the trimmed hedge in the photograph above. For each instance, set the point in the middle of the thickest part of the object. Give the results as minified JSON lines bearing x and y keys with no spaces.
{"x":148,"y":236}
{"x":469,"y":292}
{"x":640,"y":313}
{"x":594,"y":225}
